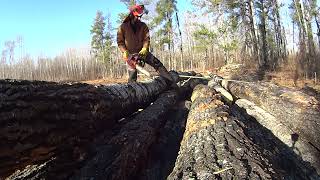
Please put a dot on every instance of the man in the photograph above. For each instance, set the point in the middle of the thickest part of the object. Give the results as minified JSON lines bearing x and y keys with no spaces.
{"x":133,"y":37}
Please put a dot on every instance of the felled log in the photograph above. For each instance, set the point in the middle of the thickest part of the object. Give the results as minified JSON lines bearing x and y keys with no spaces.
{"x":225,"y":94}
{"x":295,"y":109}
{"x":164,"y":152}
{"x":285,"y":135}
{"x":40,"y":120}
{"x":280,"y":155}
{"x":113,"y":165}
{"x":215,"y":147}
{"x":125,"y":155}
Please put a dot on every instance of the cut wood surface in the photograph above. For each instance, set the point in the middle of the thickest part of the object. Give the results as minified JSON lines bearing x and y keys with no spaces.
{"x":225,"y":94}
{"x":295,"y":109}
{"x":39,"y":120}
{"x":214,"y":146}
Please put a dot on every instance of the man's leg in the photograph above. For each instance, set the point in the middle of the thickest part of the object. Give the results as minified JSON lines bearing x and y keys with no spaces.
{"x":132,"y":75}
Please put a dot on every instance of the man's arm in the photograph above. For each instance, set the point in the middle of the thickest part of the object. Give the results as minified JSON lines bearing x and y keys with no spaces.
{"x":121,"y":40}
{"x":146,"y":38}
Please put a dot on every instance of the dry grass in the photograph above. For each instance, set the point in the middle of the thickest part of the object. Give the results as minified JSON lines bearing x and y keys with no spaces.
{"x":107,"y":81}
{"x":285,"y":78}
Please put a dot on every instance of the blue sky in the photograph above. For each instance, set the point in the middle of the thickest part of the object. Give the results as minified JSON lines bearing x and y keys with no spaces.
{"x":49,"y":27}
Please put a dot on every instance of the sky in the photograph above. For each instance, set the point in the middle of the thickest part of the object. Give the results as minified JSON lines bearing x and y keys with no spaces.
{"x":48,"y":27}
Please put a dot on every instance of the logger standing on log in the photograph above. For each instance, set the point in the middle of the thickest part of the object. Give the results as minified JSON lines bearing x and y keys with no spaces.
{"x":133,"y":37}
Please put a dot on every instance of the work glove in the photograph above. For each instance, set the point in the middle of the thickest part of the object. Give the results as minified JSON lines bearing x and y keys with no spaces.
{"x":125,"y":55}
{"x":143,"y":53}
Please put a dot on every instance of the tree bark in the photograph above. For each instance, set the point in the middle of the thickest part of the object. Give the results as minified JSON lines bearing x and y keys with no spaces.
{"x":284,"y":133}
{"x":252,"y":28}
{"x":42,"y":119}
{"x":214,"y":146}
{"x":125,"y":155}
{"x":295,"y":109}
{"x":164,"y":152}
{"x":263,"y":31}
{"x":280,"y":155}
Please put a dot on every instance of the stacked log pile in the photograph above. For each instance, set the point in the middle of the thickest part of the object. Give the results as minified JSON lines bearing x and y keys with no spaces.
{"x":125,"y":154}
{"x":226,"y":143}
{"x":41,"y":120}
{"x":214,"y":146}
{"x":133,"y":131}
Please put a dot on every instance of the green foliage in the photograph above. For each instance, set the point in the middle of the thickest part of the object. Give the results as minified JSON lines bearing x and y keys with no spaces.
{"x":121,"y":17}
{"x":203,"y":35}
{"x":229,"y":46}
{"x":128,"y":2}
{"x":101,"y":41}
{"x":97,"y":31}
{"x":165,"y":11}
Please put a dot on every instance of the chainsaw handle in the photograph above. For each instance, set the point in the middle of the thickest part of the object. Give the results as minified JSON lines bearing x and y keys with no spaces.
{"x":135,"y":59}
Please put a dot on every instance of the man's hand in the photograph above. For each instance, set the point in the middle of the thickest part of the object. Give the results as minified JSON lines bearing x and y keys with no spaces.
{"x":125,"y":55}
{"x":143,"y":53}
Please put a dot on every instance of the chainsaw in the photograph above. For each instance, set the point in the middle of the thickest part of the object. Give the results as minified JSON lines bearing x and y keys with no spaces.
{"x":137,"y":62}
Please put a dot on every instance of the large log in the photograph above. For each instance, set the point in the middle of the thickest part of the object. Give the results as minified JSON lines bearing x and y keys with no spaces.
{"x":281,"y":131}
{"x":164,"y":152}
{"x":125,"y":155}
{"x":264,"y":130}
{"x":138,"y":140}
{"x":295,"y":109}
{"x":40,"y":120}
{"x":214,"y":146}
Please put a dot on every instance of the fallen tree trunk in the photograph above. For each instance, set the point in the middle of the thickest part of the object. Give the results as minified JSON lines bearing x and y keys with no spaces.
{"x":214,"y":146}
{"x":295,"y":109}
{"x":39,"y":120}
{"x":164,"y":152}
{"x":125,"y":155}
{"x":292,"y":149}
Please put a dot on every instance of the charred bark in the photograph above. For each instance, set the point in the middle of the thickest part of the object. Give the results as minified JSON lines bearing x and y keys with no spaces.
{"x":215,"y":147}
{"x":164,"y":152}
{"x":295,"y":109}
{"x":128,"y":154}
{"x":124,"y":156}
{"x":43,"y":120}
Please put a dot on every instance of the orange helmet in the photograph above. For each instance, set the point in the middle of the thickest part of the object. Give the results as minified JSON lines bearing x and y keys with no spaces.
{"x":137,"y":10}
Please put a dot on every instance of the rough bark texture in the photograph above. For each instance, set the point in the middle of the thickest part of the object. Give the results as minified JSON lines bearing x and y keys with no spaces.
{"x":157,"y":130}
{"x":281,"y":131}
{"x":282,"y":156}
{"x":215,"y":147}
{"x":297,"y":110}
{"x":164,"y":152}
{"x":39,"y":120}
{"x":125,"y":155}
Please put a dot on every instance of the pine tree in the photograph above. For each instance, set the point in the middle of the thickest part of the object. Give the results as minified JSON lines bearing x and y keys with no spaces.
{"x":101,"y":38}
{"x":164,"y":21}
{"x":97,"y":32}
{"x":263,"y":15}
{"x":108,"y":38}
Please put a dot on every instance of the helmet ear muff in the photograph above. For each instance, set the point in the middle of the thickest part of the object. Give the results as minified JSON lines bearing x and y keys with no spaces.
{"x":137,"y":10}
